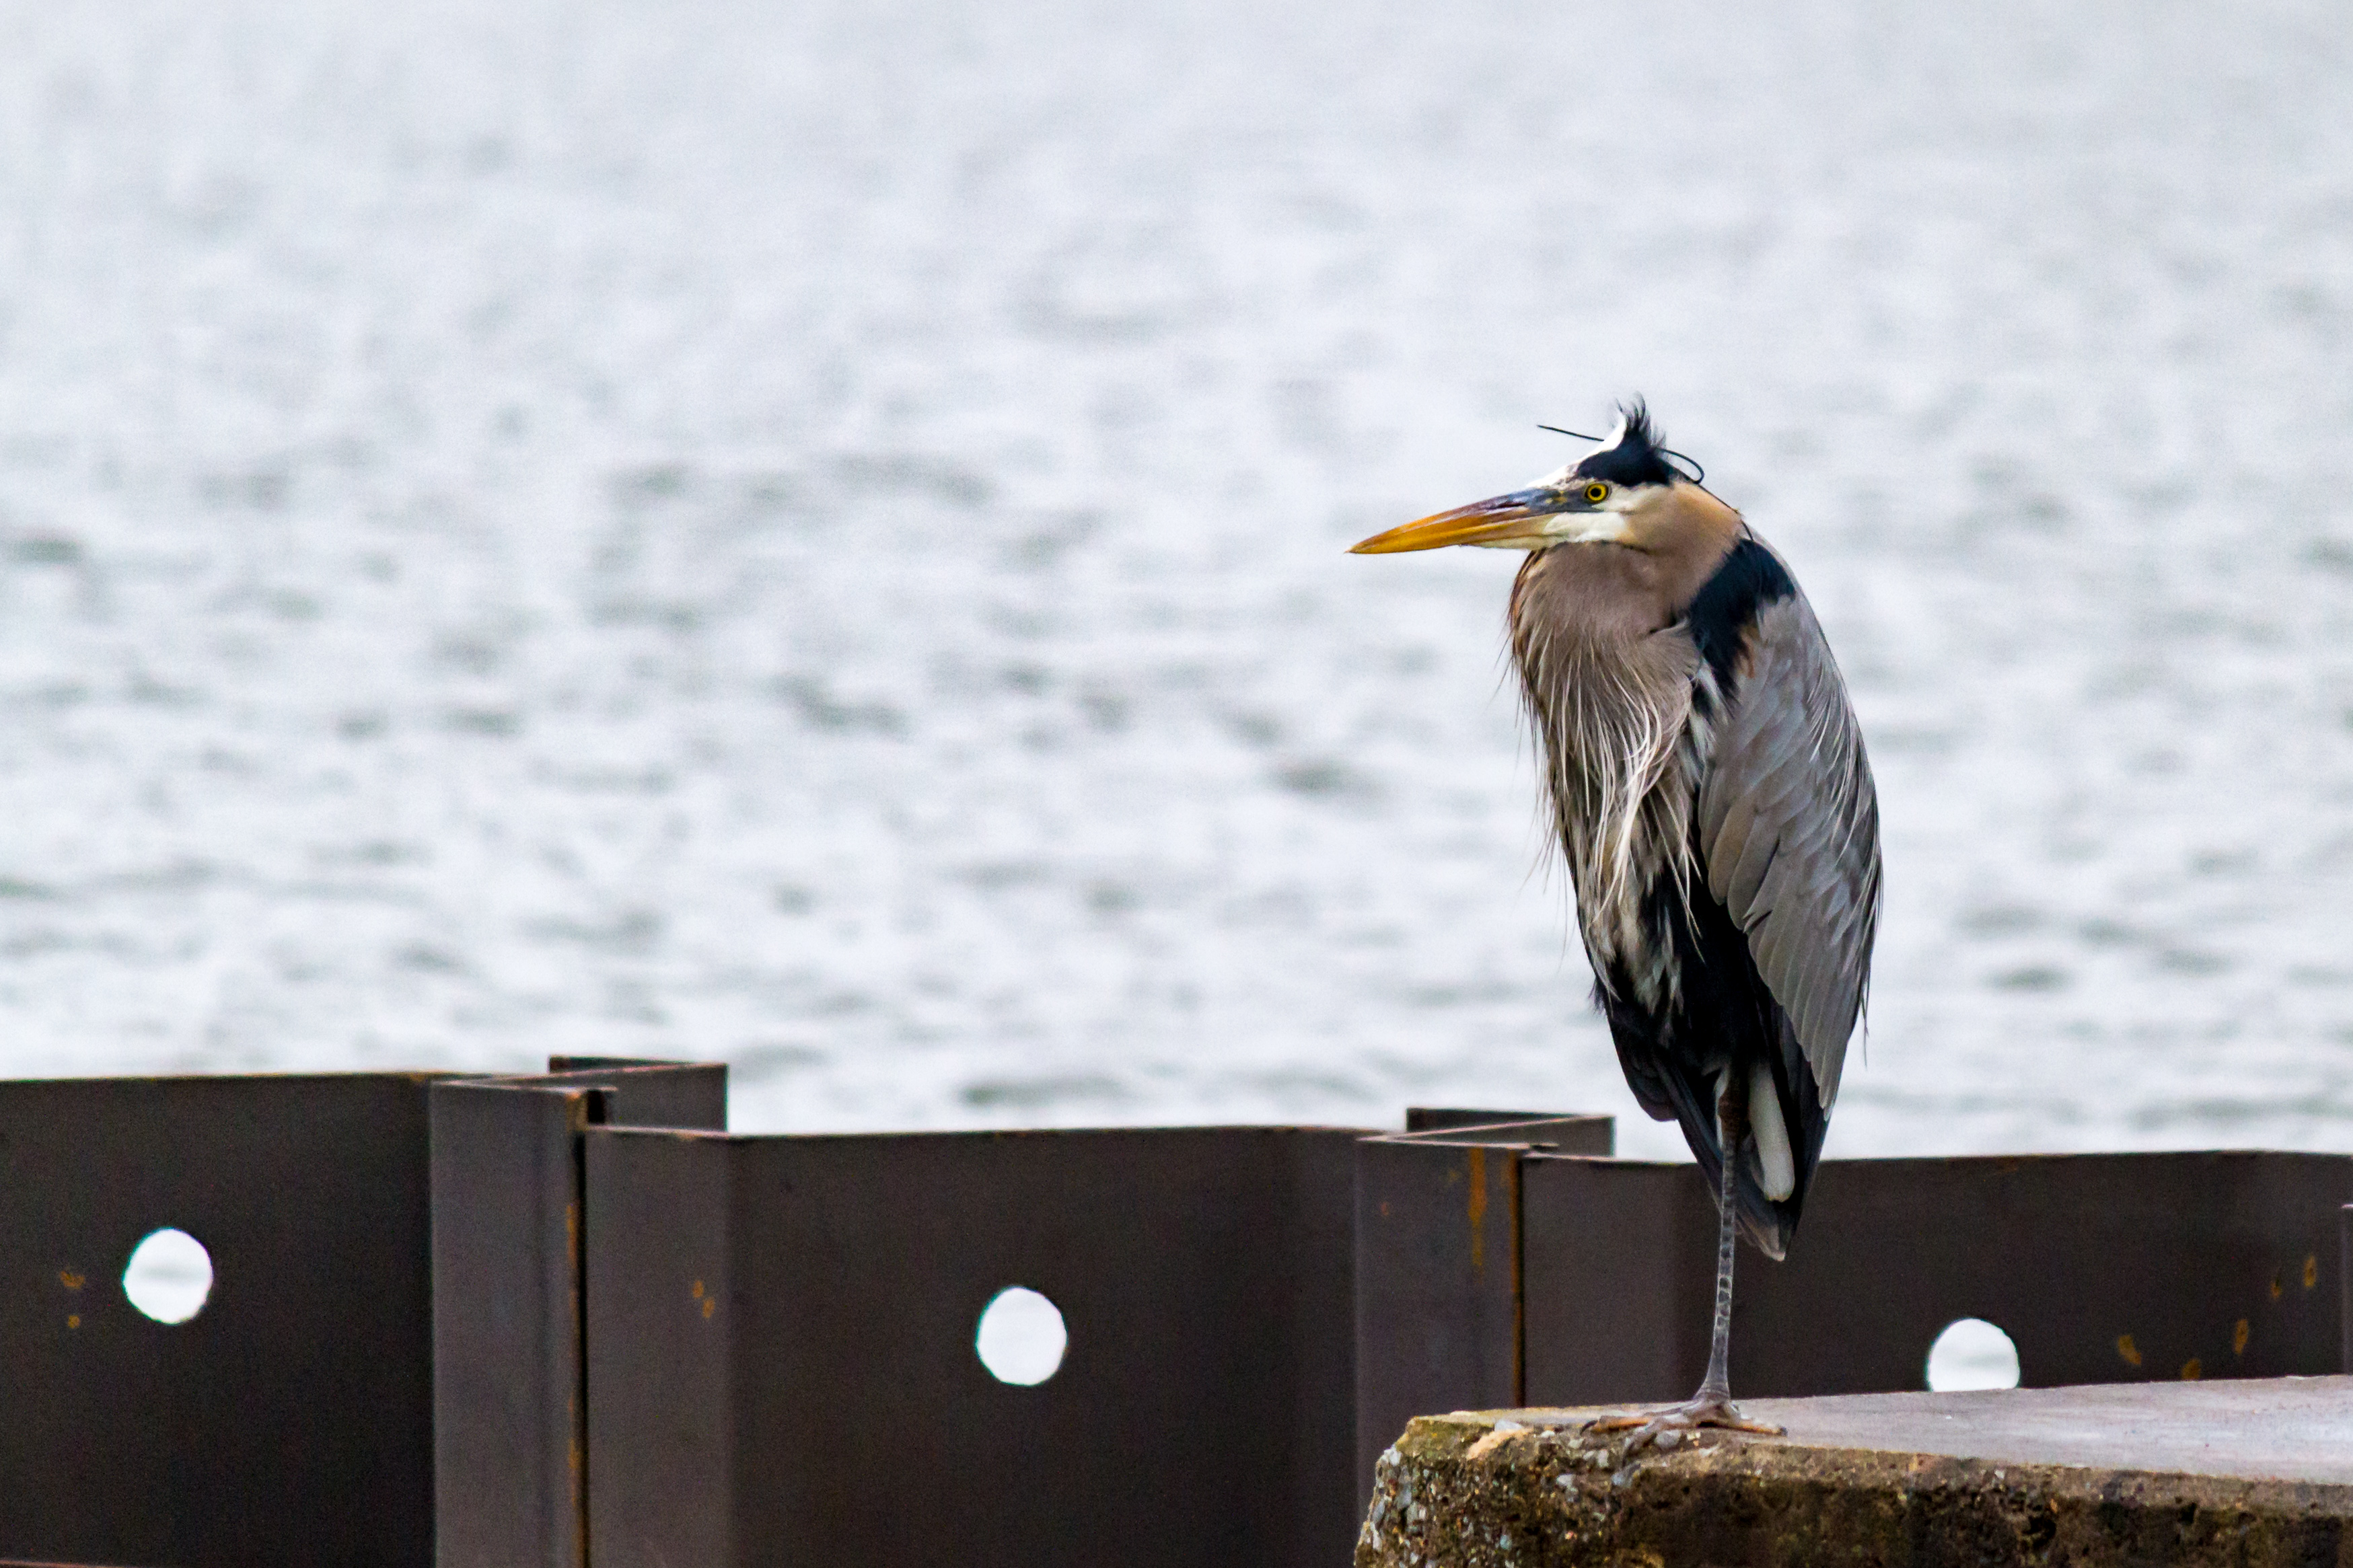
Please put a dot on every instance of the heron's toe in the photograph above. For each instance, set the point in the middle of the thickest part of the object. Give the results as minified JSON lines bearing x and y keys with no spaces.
{"x":1665,"y":1428}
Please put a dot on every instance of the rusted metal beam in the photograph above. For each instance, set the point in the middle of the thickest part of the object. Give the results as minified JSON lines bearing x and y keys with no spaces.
{"x":646,"y":1093}
{"x":782,"y":1364}
{"x":2345,"y":1284}
{"x":1438,"y":1264}
{"x":663,"y":1362}
{"x":1448,"y":1119}
{"x":2101,"y":1269}
{"x":289,"y":1422}
{"x":510,"y":1411}
{"x":510,"y":1427}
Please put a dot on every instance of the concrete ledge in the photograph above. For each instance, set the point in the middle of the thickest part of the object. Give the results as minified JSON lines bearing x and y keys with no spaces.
{"x":2078,"y":1475}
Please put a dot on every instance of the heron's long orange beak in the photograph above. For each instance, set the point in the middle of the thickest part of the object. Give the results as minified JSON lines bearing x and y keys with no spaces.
{"x":1498,"y":520}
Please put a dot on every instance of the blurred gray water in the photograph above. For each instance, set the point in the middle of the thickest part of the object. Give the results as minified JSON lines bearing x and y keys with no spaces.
{"x":812,"y":534}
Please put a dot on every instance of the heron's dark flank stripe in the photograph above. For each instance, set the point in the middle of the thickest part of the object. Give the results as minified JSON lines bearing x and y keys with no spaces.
{"x":1721,"y":1012}
{"x":1750,"y":578}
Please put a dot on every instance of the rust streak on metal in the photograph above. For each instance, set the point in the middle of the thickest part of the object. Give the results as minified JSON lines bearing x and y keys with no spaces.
{"x":1519,"y":1280}
{"x":1476,"y":1163}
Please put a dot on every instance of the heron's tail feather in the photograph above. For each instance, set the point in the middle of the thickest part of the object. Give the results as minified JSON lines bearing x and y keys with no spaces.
{"x":1761,"y":1225}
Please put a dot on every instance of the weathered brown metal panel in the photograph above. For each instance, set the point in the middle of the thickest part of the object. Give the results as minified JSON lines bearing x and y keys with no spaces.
{"x":1438,"y":1261}
{"x":2345,"y":1284}
{"x":1551,"y":1132}
{"x":649,"y":1093}
{"x":511,"y":1408}
{"x":1201,"y":1413}
{"x":664,"y":1317}
{"x":1437,"y":1285}
{"x":1607,"y":1247}
{"x":2101,"y":1267}
{"x":509,"y":1417}
{"x":290,"y":1421}
{"x":1445,"y":1119}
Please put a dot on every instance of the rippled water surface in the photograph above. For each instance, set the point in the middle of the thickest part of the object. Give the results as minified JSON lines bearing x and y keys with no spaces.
{"x":812,"y":534}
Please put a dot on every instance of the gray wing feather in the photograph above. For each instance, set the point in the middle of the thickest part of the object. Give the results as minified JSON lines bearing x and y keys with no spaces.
{"x":1789,"y":832}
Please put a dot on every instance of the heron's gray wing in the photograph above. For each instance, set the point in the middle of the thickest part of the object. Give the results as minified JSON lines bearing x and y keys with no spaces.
{"x":1788,"y":831}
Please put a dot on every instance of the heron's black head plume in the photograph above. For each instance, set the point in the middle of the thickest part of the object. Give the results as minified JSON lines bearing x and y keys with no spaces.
{"x":1634,"y":456}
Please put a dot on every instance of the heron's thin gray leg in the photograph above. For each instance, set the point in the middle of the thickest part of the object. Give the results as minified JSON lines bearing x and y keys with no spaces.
{"x":1716,"y":1386}
{"x":1712,"y":1406}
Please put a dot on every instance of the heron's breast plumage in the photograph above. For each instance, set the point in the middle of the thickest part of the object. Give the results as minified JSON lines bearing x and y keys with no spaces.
{"x":1624,"y":707}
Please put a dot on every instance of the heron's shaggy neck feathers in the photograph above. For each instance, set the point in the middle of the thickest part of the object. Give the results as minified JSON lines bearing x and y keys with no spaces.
{"x":1624,"y":708}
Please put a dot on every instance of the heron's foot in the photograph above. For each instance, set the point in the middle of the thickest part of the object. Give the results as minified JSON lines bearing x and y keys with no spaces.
{"x":1665,"y":1428}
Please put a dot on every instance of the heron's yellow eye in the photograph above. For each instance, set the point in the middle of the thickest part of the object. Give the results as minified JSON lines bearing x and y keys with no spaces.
{"x":1597,"y":492}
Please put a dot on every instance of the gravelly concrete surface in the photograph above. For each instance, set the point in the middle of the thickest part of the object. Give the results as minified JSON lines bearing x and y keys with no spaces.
{"x":2238,"y":1473}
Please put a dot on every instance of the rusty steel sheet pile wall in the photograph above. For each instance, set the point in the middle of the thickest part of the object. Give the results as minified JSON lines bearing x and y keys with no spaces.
{"x":290,"y":1421}
{"x":564,"y":1319}
{"x":782,"y":1364}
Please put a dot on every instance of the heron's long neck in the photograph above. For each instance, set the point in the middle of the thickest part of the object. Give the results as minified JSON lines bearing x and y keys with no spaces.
{"x":1609,"y":695}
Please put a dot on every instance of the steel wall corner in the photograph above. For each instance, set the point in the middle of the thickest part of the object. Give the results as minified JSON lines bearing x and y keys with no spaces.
{"x":1438,"y":1265}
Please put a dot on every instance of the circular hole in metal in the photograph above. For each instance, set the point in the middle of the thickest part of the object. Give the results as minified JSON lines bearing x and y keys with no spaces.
{"x":169,"y":1277}
{"x":1971,"y":1353}
{"x":1021,"y":1339}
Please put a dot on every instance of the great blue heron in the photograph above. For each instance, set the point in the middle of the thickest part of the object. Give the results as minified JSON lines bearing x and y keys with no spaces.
{"x":1708,"y":782}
